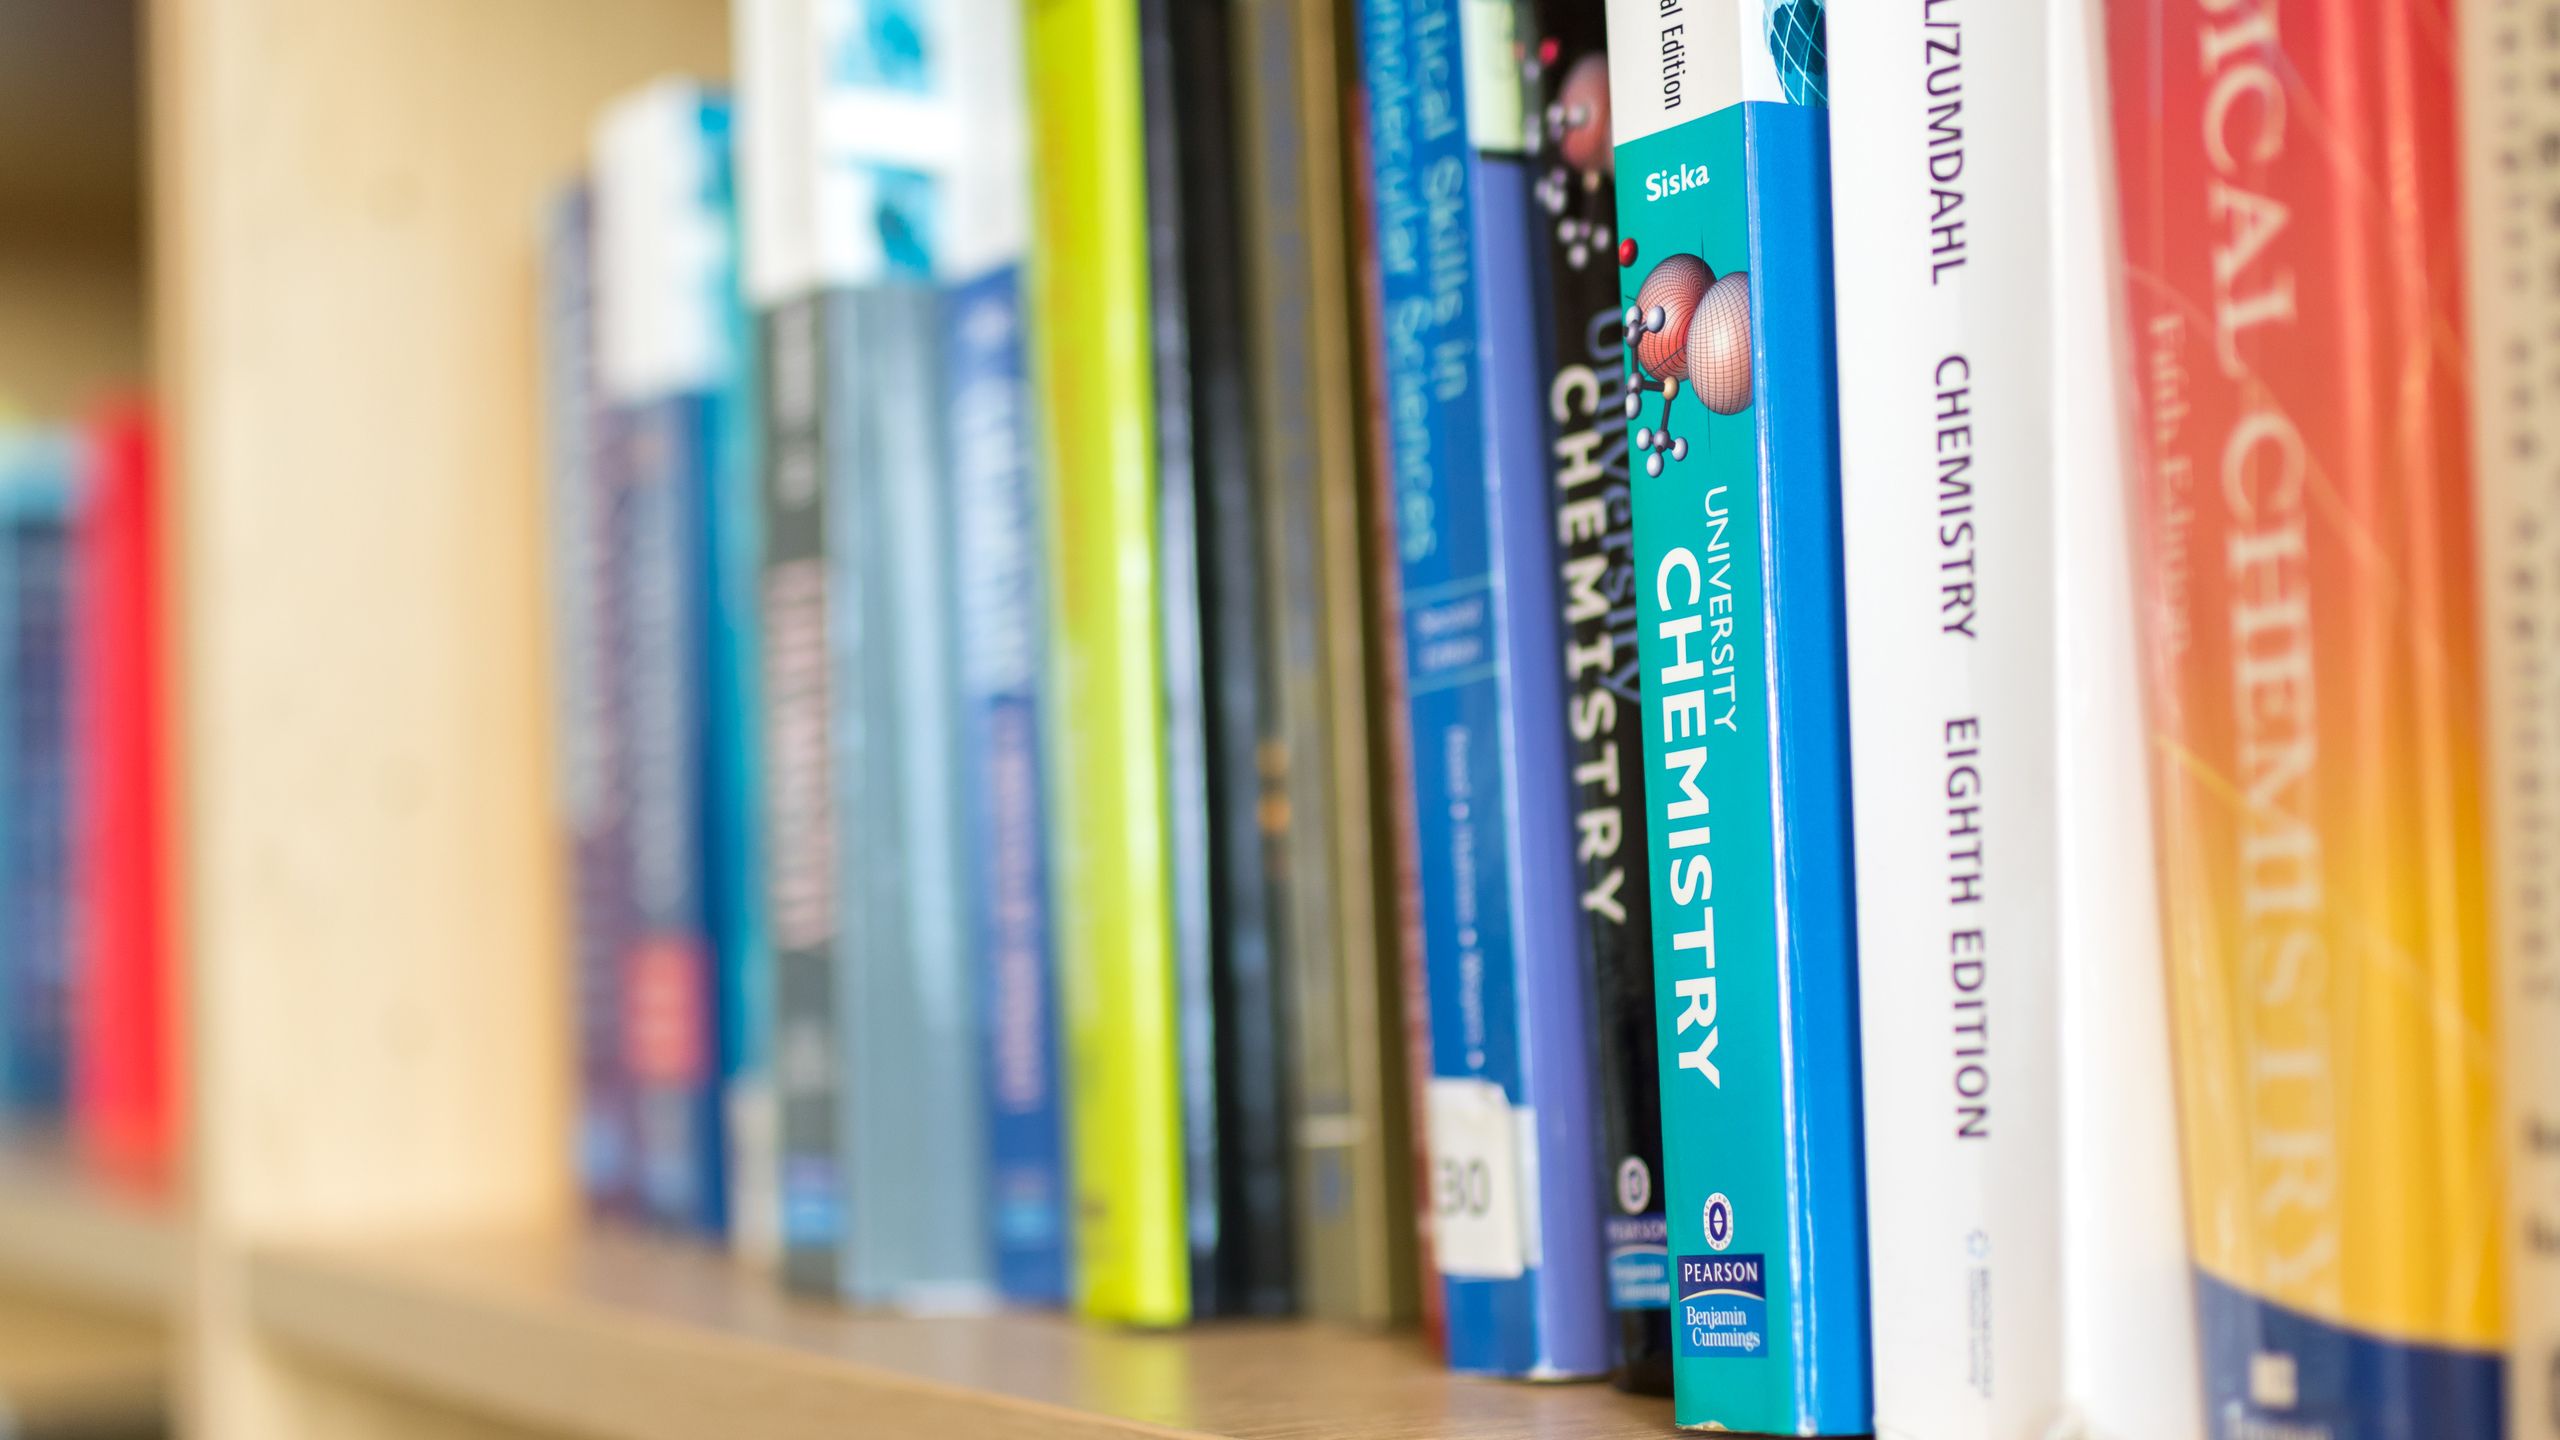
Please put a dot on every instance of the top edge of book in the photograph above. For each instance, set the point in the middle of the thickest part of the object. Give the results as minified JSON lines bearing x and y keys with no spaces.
{"x":1673,"y":61}
{"x":883,"y":142}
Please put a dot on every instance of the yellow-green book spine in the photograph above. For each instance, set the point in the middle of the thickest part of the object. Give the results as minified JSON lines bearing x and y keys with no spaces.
{"x":1097,"y":397}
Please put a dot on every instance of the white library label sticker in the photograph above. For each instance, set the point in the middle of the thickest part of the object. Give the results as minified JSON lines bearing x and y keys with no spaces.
{"x":1475,"y":1181}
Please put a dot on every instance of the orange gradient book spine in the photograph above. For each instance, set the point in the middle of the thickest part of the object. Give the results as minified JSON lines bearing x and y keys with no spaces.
{"x":2289,"y":184}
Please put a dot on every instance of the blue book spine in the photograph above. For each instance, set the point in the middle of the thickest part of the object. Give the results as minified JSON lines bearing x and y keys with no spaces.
{"x":1002,"y":621}
{"x":671,"y":350}
{"x":1513,"y":1151}
{"x":668,"y":985}
{"x":734,"y":768}
{"x":35,"y":759}
{"x":585,"y":584}
{"x":1725,"y":267}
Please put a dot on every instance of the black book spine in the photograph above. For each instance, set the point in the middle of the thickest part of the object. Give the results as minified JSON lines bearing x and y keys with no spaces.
{"x":1574,"y":206}
{"x":1221,"y":714}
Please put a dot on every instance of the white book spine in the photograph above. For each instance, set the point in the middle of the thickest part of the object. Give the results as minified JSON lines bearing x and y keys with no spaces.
{"x":777,"y":147}
{"x":2128,"y":1311}
{"x":1940,"y":143}
{"x":2510,"y":48}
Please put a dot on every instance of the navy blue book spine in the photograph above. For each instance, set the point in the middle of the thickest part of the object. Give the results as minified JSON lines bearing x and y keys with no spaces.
{"x":1003,"y":622}
{"x":1510,"y":1111}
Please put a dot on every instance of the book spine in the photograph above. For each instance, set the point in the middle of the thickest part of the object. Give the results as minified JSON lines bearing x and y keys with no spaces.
{"x":1003,"y":619}
{"x":1372,"y":855}
{"x":2128,"y":1316}
{"x":734,"y":771}
{"x":1352,"y":1219}
{"x":1289,"y":407}
{"x":667,"y":367}
{"x":123,"y":1067}
{"x":2508,"y":49}
{"x":2312,"y":678}
{"x":36,"y":915}
{"x":1399,"y":868}
{"x":1233,"y":1012}
{"x":800,"y":814}
{"x":19,"y":817}
{"x":1725,"y":258}
{"x":1510,"y":1104}
{"x":909,"y":1006}
{"x":1574,"y":213}
{"x":1092,"y":331}
{"x":1939,"y":134}
{"x":586,"y":576}
{"x":667,"y":980}
{"x":777,"y":192}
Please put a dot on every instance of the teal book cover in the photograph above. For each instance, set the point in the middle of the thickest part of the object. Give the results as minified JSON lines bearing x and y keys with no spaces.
{"x":1724,"y":257}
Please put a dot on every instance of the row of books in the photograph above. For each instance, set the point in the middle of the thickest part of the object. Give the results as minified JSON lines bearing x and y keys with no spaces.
{"x":1192,"y":634}
{"x":87,"y":1043}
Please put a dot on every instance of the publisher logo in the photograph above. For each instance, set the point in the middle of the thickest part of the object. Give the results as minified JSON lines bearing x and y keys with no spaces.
{"x":1635,"y":1185}
{"x":1719,"y":1221}
{"x":1723,"y":1309}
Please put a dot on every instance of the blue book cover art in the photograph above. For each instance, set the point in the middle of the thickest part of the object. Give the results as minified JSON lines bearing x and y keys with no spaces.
{"x":1003,"y":624}
{"x":585,"y":583}
{"x":672,"y":376}
{"x":1513,"y":1151}
{"x":1724,"y":259}
{"x":37,"y":477}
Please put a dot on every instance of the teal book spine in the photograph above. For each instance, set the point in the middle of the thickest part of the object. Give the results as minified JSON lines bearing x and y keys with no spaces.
{"x":1724,"y":256}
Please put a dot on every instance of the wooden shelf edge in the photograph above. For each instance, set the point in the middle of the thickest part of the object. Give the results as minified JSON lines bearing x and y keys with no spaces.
{"x":624,"y":1337}
{"x":69,"y":1235}
{"x":73,"y":1373}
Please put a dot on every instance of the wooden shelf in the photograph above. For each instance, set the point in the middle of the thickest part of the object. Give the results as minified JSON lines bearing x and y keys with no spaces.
{"x":625,"y":1337}
{"x":69,"y":1236}
{"x":75,"y":1373}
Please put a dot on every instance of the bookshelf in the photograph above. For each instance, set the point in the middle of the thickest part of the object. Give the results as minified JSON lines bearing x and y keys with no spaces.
{"x":616,"y":1335}
{"x":69,"y":1238}
{"x":332,"y":286}
{"x":601,"y":1332}
{"x":89,"y":1278}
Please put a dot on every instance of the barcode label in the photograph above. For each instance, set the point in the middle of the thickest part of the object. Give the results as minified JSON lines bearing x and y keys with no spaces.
{"x":1475,"y":1181}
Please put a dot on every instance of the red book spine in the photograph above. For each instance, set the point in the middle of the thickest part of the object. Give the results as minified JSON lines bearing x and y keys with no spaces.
{"x":124,"y":1062}
{"x":2289,"y":183}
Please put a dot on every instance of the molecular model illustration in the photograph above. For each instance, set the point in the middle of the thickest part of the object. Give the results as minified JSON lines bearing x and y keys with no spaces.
{"x":1574,"y":188}
{"x":1687,"y":323}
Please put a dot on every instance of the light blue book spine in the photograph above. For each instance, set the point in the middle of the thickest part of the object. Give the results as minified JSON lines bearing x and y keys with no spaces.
{"x":1513,"y":1148}
{"x":1003,"y":619}
{"x":912,"y":1118}
{"x":37,"y":478}
{"x":914,"y":1162}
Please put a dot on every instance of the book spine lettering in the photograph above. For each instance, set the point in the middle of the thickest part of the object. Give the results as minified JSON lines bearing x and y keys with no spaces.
{"x":1509,"y":1099}
{"x":2312,"y":676}
{"x":1727,"y":282}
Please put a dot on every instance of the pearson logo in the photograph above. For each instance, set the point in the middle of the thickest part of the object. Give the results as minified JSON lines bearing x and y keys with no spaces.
{"x":1723,"y":1309}
{"x":1662,"y":184}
